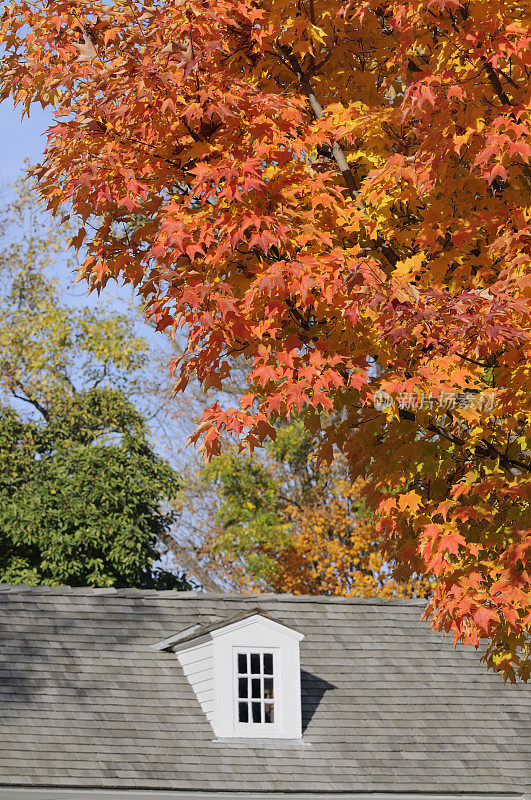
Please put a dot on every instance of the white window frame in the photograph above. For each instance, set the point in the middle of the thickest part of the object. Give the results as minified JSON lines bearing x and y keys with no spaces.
{"x":267,"y":728}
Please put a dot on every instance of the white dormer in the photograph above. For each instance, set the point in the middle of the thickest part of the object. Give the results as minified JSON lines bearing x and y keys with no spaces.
{"x":245,"y":673}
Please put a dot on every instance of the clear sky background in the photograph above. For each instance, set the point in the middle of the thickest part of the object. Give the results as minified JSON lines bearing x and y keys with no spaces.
{"x":20,"y":140}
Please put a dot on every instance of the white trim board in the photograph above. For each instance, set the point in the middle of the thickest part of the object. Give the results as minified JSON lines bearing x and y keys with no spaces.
{"x":34,"y":793}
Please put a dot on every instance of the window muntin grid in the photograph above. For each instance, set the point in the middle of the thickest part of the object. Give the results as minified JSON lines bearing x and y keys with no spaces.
{"x":256,"y":688}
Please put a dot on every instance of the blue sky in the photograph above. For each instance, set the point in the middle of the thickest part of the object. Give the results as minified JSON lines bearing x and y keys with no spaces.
{"x":20,"y":140}
{"x":26,"y":139}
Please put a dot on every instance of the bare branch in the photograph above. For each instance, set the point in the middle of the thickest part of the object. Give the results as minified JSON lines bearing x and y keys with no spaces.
{"x":189,"y":562}
{"x":346,"y":173}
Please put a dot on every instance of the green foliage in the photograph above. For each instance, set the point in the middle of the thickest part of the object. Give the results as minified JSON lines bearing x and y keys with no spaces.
{"x":249,"y":525}
{"x":82,"y":495}
{"x":260,"y":497}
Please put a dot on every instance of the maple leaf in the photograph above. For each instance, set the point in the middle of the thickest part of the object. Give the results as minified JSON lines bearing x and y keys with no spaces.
{"x":443,"y":508}
{"x":87,"y":50}
{"x":497,"y":171}
{"x":387,"y":505}
{"x":410,"y":500}
{"x":484,"y":617}
{"x":443,"y":4}
{"x":451,"y":541}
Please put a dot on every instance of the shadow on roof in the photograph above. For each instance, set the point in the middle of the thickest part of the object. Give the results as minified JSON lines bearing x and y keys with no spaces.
{"x":313,"y":690}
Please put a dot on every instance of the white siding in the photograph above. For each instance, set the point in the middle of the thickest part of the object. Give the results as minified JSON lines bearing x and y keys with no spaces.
{"x":198,"y":666}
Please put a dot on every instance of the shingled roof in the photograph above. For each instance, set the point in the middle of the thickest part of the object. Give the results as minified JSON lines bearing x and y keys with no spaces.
{"x":388,"y":706}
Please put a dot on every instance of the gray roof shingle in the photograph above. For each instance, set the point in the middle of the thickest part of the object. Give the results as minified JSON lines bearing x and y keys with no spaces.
{"x":387,"y":705}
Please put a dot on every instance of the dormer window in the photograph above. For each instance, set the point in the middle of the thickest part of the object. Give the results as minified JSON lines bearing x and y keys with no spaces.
{"x":245,"y":672}
{"x":256,"y":688}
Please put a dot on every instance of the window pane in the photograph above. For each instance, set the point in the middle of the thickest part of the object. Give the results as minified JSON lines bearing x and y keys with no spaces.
{"x":243,"y":712}
{"x":256,"y":688}
{"x":257,"y":712}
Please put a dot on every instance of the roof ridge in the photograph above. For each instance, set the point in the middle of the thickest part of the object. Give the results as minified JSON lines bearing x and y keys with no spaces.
{"x":230,"y":597}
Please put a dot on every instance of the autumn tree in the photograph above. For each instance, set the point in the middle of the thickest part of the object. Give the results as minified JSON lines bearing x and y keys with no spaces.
{"x":276,"y":521}
{"x":337,"y":193}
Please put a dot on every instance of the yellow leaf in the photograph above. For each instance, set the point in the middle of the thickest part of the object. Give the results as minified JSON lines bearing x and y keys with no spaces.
{"x":409,"y":500}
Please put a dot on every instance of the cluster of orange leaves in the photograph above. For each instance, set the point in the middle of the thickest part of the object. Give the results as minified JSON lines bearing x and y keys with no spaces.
{"x":337,"y":192}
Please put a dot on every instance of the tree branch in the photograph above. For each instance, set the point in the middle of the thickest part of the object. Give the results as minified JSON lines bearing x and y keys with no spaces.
{"x":188,"y":561}
{"x":317,"y":109}
{"x":496,"y":84}
{"x":337,"y":152}
{"x":28,"y":399}
{"x":514,"y":466}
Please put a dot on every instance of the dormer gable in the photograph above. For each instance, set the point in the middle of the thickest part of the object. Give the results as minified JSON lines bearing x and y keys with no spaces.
{"x":245,"y":672}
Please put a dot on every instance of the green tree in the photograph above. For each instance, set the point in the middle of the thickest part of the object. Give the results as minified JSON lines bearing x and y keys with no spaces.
{"x":82,"y":493}
{"x":82,"y":496}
